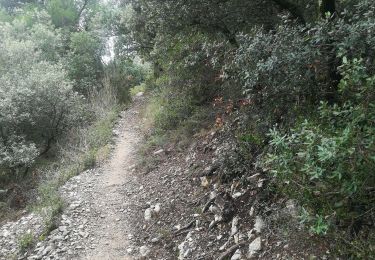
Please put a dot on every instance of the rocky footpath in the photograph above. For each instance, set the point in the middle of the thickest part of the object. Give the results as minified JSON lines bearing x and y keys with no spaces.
{"x":93,"y":224}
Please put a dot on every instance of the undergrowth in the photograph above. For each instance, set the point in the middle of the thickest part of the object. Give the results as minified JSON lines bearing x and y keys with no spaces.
{"x":172,"y":121}
{"x":93,"y":149}
{"x":26,"y":241}
{"x":82,"y":149}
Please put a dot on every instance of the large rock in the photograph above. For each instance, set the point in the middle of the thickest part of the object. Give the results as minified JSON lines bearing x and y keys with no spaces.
{"x":186,"y":247}
{"x":237,"y":255}
{"x":254,"y":247}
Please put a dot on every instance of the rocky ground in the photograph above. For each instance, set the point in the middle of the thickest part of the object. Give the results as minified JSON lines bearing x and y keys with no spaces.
{"x":189,"y":213}
{"x":179,"y":210}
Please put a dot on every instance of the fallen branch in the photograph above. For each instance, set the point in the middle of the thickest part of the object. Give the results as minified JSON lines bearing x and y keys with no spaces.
{"x":230,"y":251}
{"x":214,"y":224}
{"x":184,"y":228}
{"x":181,"y":233}
{"x":208,"y":204}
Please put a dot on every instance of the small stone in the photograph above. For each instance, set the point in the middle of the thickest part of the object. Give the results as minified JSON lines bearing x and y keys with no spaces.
{"x":144,"y":251}
{"x":213,"y":194}
{"x":62,"y":228}
{"x":222,"y":248}
{"x":47,"y":250}
{"x":148,"y":214}
{"x":184,"y":250}
{"x":292,"y":208}
{"x":204,"y":182}
{"x":234,"y":226}
{"x":155,"y":240}
{"x":238,"y":237}
{"x":57,"y":238}
{"x":157,"y":208}
{"x":259,"y":224}
{"x":6,"y":233}
{"x":251,"y":212}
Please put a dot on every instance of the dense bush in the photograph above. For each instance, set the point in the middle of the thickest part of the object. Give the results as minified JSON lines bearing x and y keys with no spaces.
{"x":84,"y":61}
{"x":123,"y":75}
{"x":326,"y":159}
{"x":327,"y":162}
{"x":37,"y":99}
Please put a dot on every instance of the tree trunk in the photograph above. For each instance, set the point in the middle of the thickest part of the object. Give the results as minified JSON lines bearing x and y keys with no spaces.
{"x":327,"y":6}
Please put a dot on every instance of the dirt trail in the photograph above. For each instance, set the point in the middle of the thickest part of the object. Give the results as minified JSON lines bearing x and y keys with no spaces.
{"x":112,"y":232}
{"x":95,"y":224}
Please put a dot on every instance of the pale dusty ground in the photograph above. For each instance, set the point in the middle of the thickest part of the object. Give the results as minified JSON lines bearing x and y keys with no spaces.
{"x":112,"y":235}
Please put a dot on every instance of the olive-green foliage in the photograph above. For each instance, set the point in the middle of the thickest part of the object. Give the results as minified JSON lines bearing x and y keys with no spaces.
{"x":83,"y":149}
{"x":63,"y":13}
{"x":138,"y":89}
{"x":326,"y":159}
{"x":11,"y":6}
{"x":152,"y":22}
{"x":327,"y":162}
{"x":38,"y":102}
{"x":44,"y":61}
{"x":84,"y":61}
{"x":123,"y":75}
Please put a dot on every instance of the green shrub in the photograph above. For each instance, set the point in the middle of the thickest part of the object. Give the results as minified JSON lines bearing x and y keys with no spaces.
{"x":139,"y":88}
{"x":287,"y":72}
{"x":85,"y":67}
{"x":38,"y":103}
{"x":327,"y":163}
{"x":124,"y":75}
{"x":26,"y":241}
